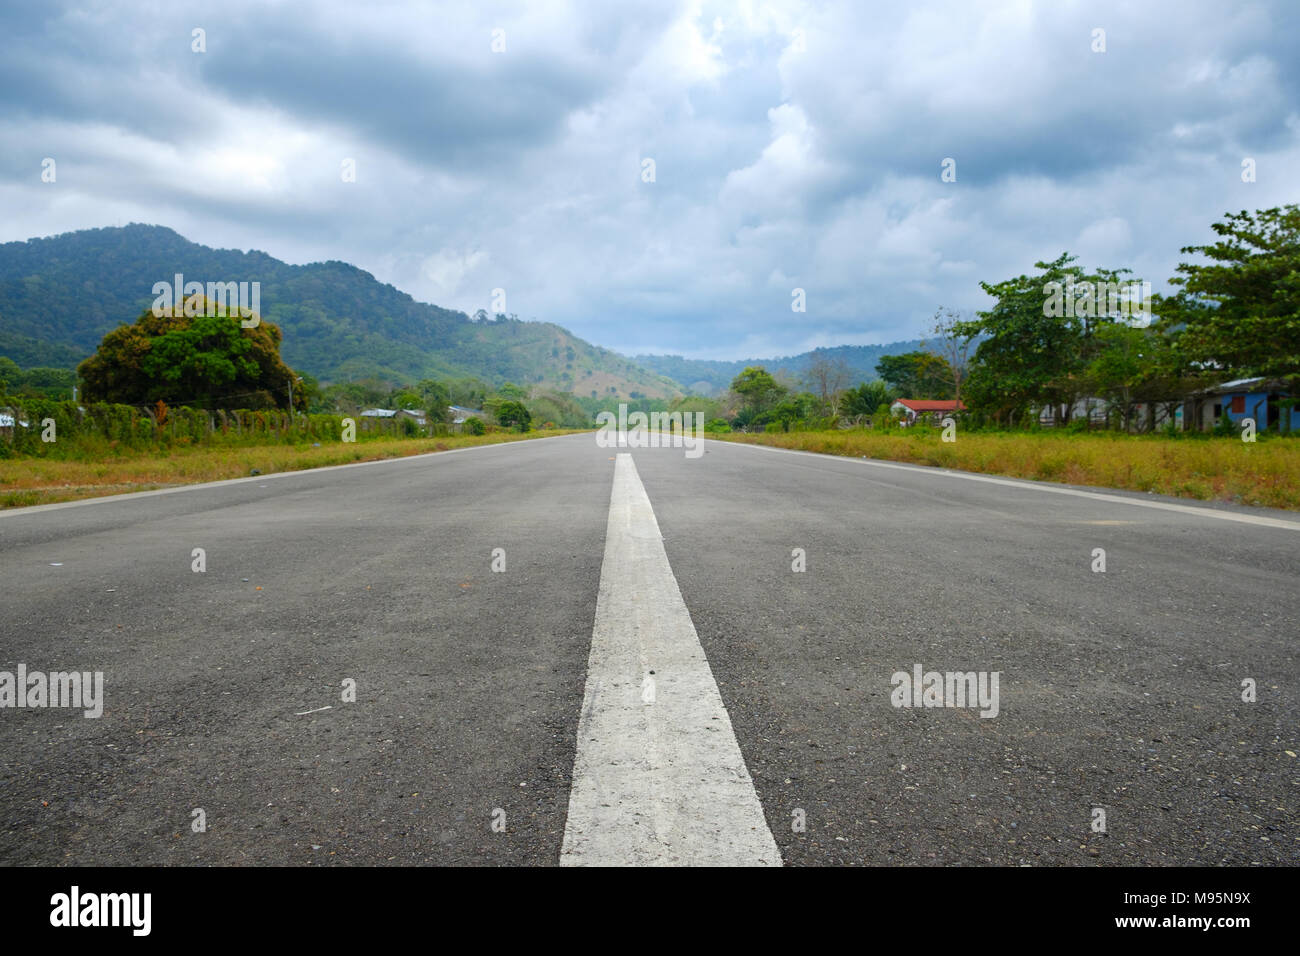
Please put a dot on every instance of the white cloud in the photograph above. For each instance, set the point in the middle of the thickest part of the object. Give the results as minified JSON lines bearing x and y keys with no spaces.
{"x":776,"y":166}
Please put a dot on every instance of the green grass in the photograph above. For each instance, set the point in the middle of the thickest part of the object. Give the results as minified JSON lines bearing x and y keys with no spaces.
{"x":35,"y":481}
{"x":1266,"y":472}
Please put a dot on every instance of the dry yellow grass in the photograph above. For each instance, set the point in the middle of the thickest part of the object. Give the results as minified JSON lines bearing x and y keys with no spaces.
{"x":1264,"y":473}
{"x":37,"y":481}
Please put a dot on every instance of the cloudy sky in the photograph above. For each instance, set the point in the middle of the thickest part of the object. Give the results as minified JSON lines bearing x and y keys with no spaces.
{"x":794,"y":145}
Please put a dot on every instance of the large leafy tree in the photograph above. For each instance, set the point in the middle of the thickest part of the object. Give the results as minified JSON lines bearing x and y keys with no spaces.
{"x":758,"y":391}
{"x":1241,"y":311}
{"x":1124,"y":361}
{"x":1032,"y":353}
{"x":513,"y":414}
{"x":205,"y":361}
{"x":917,"y":374}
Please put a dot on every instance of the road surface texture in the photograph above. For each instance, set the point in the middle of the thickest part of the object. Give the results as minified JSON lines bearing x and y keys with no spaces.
{"x":646,"y":678}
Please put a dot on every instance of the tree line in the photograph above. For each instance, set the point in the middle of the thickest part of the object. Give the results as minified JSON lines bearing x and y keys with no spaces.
{"x":1064,"y":334}
{"x":1051,"y":338}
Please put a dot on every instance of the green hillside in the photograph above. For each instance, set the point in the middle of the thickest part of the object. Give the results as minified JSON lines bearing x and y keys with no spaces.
{"x":59,"y":295}
{"x":706,"y":376}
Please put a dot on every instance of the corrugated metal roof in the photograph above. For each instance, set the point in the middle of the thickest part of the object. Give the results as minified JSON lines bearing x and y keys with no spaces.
{"x":1241,"y":382}
{"x":459,"y":414}
{"x":930,"y":405}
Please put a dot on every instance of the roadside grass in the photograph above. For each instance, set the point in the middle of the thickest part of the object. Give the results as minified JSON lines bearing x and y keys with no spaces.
{"x":1265,"y":472}
{"x":39,"y":481}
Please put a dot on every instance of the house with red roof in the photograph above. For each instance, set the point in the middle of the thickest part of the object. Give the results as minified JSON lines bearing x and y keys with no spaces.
{"x":912,"y":409}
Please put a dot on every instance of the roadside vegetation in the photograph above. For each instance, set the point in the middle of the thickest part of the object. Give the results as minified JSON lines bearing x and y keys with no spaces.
{"x":183,"y":398}
{"x":1206,"y":468}
{"x":1054,"y":347}
{"x":38,"y":481}
{"x":1122,"y":378}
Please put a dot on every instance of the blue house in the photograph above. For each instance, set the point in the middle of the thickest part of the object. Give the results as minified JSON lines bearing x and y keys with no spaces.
{"x":1257,"y":398}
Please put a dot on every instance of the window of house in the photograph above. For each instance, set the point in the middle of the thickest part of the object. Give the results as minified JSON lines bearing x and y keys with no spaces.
{"x":1238,"y":404}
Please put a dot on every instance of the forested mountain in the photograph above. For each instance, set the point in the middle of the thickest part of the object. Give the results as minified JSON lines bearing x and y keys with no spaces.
{"x":704,"y":376}
{"x":59,"y":295}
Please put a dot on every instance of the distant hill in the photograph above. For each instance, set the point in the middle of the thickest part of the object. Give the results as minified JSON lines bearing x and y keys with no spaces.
{"x":704,"y":376}
{"x":59,"y":295}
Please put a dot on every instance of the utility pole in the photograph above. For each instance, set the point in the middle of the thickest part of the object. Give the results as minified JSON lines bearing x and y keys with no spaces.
{"x":292,"y":417}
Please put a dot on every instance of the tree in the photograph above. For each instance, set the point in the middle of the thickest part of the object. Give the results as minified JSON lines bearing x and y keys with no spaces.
{"x":1241,"y":313}
{"x":794,"y":410}
{"x":708,"y":408}
{"x":917,"y":374}
{"x":404,"y":398}
{"x":208,"y":361}
{"x":1035,"y":352}
{"x":468,"y":392}
{"x":558,"y":408}
{"x":758,"y":391}
{"x":348,"y":398}
{"x":827,"y":378}
{"x":435,"y":399}
{"x":1120,"y":366}
{"x":513,"y":414}
{"x":10,"y":373}
{"x":859,"y":404}
{"x":952,"y":345}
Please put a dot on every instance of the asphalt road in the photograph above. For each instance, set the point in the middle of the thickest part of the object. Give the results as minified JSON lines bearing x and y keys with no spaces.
{"x":1119,"y":691}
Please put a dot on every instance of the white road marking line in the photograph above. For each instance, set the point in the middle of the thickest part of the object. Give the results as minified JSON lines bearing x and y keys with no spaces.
{"x":303,"y":713}
{"x":1202,"y":512}
{"x":658,"y":778}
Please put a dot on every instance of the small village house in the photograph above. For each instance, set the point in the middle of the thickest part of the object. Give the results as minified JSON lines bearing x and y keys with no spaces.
{"x":912,"y":410}
{"x":459,"y":415}
{"x":1261,"y":399}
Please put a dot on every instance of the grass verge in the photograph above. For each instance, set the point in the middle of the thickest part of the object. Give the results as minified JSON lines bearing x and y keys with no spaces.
{"x":40,"y":481}
{"x":1266,"y":472}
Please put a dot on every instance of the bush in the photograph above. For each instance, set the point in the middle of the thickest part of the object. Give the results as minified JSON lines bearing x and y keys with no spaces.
{"x":718,"y":426}
{"x":1226,"y":427}
{"x":475,"y":426}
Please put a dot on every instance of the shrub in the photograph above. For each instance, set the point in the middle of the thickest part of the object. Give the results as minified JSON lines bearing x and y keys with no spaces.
{"x":475,"y":426}
{"x":1226,"y":427}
